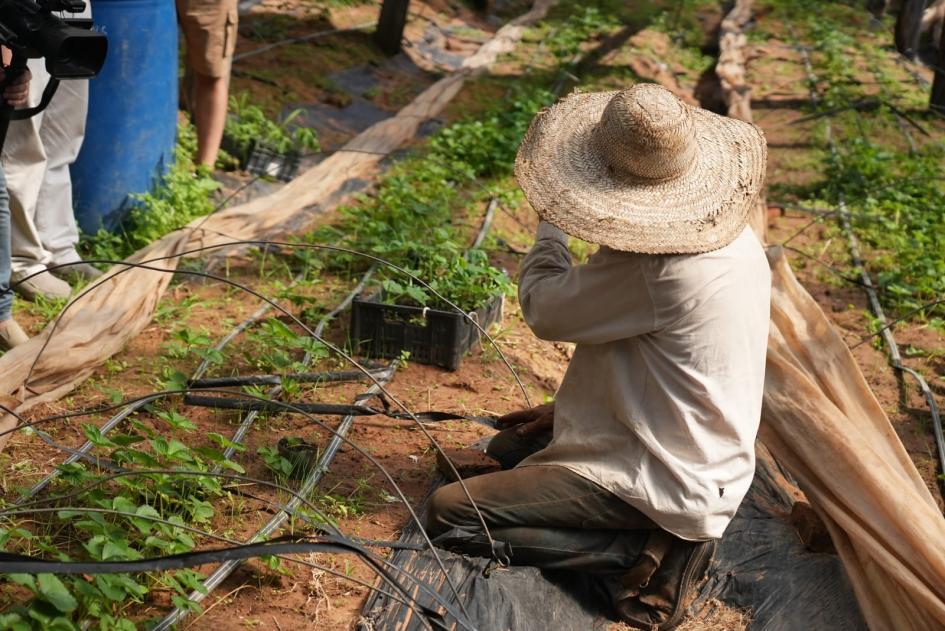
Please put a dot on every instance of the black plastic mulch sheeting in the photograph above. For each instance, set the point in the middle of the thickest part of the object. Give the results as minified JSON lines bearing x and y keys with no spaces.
{"x":760,"y":565}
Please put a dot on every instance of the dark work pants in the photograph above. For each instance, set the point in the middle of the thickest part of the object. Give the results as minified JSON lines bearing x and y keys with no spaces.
{"x":550,"y":517}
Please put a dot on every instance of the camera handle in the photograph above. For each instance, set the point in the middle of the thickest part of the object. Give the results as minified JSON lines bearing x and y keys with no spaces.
{"x":7,"y":113}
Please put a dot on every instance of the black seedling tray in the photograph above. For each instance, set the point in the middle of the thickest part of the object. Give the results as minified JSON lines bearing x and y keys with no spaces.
{"x":263,"y":160}
{"x":431,"y":336}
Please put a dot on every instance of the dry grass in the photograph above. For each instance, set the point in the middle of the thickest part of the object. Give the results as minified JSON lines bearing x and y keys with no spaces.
{"x":714,"y":616}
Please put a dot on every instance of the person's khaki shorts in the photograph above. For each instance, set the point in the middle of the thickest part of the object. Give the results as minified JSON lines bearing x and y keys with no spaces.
{"x":210,"y":30}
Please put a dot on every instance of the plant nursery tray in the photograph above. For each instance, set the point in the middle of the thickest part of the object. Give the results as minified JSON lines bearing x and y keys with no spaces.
{"x":263,"y":160}
{"x":431,"y":336}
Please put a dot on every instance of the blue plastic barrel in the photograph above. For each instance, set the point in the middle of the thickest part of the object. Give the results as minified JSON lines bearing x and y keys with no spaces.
{"x":132,"y":123}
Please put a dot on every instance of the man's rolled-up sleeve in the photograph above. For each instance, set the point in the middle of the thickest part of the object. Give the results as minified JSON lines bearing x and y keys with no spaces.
{"x":605,"y":300}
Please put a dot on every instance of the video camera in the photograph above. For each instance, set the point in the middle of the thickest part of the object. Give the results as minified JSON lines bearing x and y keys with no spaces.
{"x":71,"y":48}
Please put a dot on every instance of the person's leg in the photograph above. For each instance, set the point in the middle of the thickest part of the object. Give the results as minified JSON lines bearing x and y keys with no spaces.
{"x":10,"y":332}
{"x":211,"y":95}
{"x":24,"y":161}
{"x":210,"y":30}
{"x":549,"y":516}
{"x":62,"y":132}
{"x":6,"y":296}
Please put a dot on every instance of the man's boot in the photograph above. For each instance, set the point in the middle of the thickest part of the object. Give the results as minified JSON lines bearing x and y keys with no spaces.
{"x":78,"y":272}
{"x":45,"y":285}
{"x":11,"y":335}
{"x":660,"y":602}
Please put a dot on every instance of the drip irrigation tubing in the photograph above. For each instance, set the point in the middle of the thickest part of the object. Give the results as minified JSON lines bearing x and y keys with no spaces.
{"x":275,"y":380}
{"x":887,"y":99}
{"x":42,"y":565}
{"x":876,"y":307}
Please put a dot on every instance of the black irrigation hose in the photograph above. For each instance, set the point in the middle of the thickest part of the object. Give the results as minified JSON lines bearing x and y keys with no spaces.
{"x":827,"y":266}
{"x":329,"y":409}
{"x":275,"y":380}
{"x":896,"y":321}
{"x":16,"y":563}
{"x":209,"y":535}
{"x":895,"y":358}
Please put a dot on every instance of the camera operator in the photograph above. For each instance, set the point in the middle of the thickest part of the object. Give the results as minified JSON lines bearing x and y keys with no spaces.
{"x":36,"y":157}
{"x":15,"y":95}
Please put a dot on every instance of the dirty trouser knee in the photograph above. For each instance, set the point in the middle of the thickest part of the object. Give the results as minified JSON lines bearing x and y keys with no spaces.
{"x":549,"y":517}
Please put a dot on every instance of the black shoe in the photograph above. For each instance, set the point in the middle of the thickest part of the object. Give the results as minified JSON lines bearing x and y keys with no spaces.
{"x":661,"y":604}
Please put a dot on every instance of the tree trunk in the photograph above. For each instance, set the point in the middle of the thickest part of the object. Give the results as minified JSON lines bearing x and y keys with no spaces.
{"x":937,"y":102}
{"x":390,"y":26}
{"x":908,"y":27}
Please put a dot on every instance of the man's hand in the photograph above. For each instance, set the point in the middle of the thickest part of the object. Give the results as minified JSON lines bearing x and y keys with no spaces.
{"x":17,"y":93}
{"x":530,"y":422}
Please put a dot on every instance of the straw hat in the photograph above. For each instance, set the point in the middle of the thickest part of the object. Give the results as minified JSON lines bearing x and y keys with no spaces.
{"x":638,"y":170}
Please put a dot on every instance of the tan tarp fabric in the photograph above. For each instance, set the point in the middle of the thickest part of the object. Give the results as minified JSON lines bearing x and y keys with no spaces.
{"x":822,"y":423}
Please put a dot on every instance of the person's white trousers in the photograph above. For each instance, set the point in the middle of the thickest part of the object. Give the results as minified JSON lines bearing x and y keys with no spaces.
{"x":36,"y":158}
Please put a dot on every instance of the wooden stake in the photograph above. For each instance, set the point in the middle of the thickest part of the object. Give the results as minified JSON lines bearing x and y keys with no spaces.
{"x":390,"y":25}
{"x":937,"y":100}
{"x":909,"y":26}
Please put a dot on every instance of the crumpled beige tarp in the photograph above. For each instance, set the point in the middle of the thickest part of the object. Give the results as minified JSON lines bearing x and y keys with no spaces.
{"x":823,"y":424}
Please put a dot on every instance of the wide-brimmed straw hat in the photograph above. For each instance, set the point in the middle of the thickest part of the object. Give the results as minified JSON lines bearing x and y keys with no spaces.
{"x":639,"y":170}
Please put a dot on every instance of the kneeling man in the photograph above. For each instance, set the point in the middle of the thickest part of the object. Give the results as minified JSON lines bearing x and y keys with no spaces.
{"x":643,"y":459}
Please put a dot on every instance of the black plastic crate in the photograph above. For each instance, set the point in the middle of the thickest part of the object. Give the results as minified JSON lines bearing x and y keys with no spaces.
{"x":259,"y":158}
{"x":431,"y":336}
{"x":263,"y":160}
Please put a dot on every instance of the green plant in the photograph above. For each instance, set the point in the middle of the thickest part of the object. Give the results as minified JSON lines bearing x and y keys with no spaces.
{"x":187,"y":342}
{"x":248,"y":124}
{"x":276,"y":347}
{"x":566,"y":41}
{"x":281,"y":466}
{"x":408,"y":220}
{"x":469,"y":281}
{"x":894,"y":197}
{"x":131,"y":517}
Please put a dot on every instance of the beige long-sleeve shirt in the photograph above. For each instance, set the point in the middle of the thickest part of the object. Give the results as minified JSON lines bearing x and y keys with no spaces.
{"x":662,"y":399}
